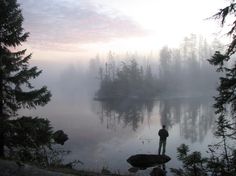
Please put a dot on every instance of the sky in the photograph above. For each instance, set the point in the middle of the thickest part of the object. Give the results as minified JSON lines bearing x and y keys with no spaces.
{"x":80,"y":29}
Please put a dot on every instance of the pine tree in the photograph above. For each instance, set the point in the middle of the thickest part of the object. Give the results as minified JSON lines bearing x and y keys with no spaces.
{"x":227,"y":84}
{"x":193,"y":163}
{"x":225,"y":101}
{"x":16,"y":91}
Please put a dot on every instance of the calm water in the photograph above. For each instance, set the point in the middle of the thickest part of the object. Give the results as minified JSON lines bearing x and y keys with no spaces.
{"x":106,"y":134}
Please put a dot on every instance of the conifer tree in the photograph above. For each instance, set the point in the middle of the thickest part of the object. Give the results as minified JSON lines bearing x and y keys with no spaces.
{"x":222,"y":160}
{"x":226,"y":90}
{"x":225,"y":101}
{"x":16,"y":91}
{"x":193,"y":163}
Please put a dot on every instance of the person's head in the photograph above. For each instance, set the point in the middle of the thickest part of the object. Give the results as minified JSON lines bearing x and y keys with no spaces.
{"x":163,"y":126}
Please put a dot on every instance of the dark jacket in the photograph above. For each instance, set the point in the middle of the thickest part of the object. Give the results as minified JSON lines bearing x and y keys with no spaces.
{"x":163,"y":133}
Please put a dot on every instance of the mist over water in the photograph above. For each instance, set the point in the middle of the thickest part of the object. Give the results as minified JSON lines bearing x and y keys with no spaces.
{"x":105,"y":134}
{"x":109,"y":107}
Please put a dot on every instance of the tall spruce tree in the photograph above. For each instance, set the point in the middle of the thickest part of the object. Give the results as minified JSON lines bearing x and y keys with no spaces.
{"x":225,"y":63}
{"x":225,"y":101}
{"x":16,"y":91}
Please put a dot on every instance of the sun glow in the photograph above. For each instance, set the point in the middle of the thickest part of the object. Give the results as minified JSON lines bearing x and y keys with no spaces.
{"x":85,"y":28}
{"x":166,"y":22}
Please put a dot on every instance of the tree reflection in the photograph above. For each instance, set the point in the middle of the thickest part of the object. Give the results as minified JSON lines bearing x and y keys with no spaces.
{"x":193,"y":115}
{"x":127,"y":111}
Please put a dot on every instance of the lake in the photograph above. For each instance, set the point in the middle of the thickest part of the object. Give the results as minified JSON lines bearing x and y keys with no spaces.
{"x":106,"y":134}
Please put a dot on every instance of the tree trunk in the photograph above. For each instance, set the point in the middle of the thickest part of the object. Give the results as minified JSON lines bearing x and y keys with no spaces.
{"x":2,"y":145}
{"x":2,"y":140}
{"x":226,"y":153}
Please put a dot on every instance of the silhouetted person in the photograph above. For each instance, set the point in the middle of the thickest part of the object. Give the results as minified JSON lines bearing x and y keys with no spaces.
{"x":163,"y":133}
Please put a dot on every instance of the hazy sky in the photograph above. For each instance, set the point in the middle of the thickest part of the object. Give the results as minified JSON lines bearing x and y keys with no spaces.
{"x":82,"y":28}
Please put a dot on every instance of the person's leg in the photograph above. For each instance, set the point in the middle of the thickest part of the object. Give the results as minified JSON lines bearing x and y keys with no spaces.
{"x":159,"y":150}
{"x":164,"y":147}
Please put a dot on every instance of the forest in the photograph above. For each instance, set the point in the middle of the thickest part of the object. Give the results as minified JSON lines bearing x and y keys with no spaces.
{"x":194,"y":69}
{"x":182,"y":72}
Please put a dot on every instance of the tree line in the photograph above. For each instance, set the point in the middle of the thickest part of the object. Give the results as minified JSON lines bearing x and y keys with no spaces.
{"x":182,"y":71}
{"x":31,"y":138}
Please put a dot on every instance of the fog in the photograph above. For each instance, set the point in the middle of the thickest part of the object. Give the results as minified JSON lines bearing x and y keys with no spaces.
{"x":182,"y":71}
{"x":104,"y":133}
{"x":174,"y":73}
{"x":115,"y":75}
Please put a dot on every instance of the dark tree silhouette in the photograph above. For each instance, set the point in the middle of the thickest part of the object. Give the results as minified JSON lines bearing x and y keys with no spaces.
{"x":16,"y":91}
{"x":225,"y":104}
{"x":127,"y":82}
{"x":222,"y":159}
{"x":193,"y":163}
{"x":223,"y":154}
{"x":227,"y":84}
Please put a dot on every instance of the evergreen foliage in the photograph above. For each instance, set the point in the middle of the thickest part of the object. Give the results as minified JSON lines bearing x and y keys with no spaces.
{"x":128,"y":81}
{"x":31,"y":140}
{"x":222,"y":154}
{"x":193,"y":163}
{"x":175,"y":72}
{"x":16,"y":90}
{"x":225,"y":102}
{"x":226,"y":90}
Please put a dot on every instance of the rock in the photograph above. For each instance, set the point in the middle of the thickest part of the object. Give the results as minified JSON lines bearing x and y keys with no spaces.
{"x":144,"y":161}
{"x":133,"y":169}
{"x":60,"y":137}
{"x":157,"y":171}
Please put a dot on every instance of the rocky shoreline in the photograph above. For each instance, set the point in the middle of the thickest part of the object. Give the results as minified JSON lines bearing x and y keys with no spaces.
{"x":13,"y":168}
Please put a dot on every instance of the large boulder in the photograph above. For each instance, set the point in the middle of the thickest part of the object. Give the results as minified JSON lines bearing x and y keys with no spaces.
{"x":143,"y":161}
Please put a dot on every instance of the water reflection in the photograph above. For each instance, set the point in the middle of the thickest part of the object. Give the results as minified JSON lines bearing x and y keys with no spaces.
{"x":128,"y":112}
{"x":195,"y":116}
{"x":158,"y":171}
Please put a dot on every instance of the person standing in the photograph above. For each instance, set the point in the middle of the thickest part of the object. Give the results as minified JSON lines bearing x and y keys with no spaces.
{"x":163,"y":133}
